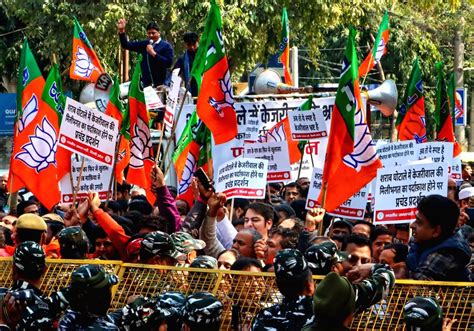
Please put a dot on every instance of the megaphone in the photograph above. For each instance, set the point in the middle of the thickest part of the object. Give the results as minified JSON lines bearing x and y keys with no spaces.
{"x":269,"y":82}
{"x":384,"y":97}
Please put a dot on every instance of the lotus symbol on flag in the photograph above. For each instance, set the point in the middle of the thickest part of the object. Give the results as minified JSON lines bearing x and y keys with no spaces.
{"x":364,"y":152}
{"x":187,"y":175}
{"x":141,"y":144}
{"x":277,"y":133}
{"x":228,"y":101}
{"x":83,"y":66}
{"x":29,"y":113}
{"x":40,"y":152}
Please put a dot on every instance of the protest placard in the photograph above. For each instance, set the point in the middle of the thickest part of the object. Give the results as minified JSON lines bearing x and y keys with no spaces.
{"x":399,"y":189}
{"x":95,"y":177}
{"x":278,"y":159}
{"x":353,"y":208}
{"x":255,"y":119}
{"x":88,"y":132}
{"x":172,"y":99}
{"x":307,"y":124}
{"x":397,"y":153}
{"x":456,"y":170}
{"x":152,"y":100}
{"x":243,"y":178}
{"x":438,"y":151}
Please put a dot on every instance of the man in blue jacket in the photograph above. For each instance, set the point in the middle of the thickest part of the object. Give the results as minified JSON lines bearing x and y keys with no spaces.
{"x":157,"y":53}
{"x":437,"y":253}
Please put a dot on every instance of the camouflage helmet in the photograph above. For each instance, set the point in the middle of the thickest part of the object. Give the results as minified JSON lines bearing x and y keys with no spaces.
{"x":29,"y":258}
{"x":73,"y":243}
{"x":322,"y":256}
{"x":172,"y":300}
{"x":423,"y":313}
{"x":289,"y":263}
{"x":205,"y":262}
{"x":185,"y":243}
{"x":92,"y":276}
{"x":158,"y":243}
{"x":202,"y":308}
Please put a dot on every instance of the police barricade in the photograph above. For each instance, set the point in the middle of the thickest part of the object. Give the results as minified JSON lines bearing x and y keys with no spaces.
{"x":245,"y":293}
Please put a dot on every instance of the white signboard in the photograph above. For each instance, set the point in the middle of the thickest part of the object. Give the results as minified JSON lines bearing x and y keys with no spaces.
{"x":172,"y":99}
{"x":255,"y":119}
{"x":95,"y":177}
{"x":88,"y":132}
{"x":436,"y":150}
{"x":308,"y":124}
{"x":278,"y":159}
{"x":399,"y":189}
{"x":397,"y":153}
{"x":353,"y":208}
{"x":243,"y":178}
{"x":152,"y":100}
{"x":456,"y":170}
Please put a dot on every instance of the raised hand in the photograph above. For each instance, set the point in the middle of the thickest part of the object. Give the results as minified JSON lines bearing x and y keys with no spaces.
{"x":313,"y":218}
{"x":121,"y":25}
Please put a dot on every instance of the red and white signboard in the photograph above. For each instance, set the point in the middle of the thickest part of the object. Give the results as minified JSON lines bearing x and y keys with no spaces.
{"x":276,"y":153}
{"x":95,"y":177}
{"x":172,"y":99}
{"x":308,"y":124}
{"x":398,"y":190}
{"x":88,"y":132}
{"x":152,"y":100}
{"x":243,"y":178}
{"x":456,"y":170}
{"x":353,"y":208}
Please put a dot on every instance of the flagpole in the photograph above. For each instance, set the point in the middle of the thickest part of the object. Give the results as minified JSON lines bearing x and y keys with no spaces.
{"x":163,"y":131}
{"x":109,"y":193}
{"x":76,"y":189}
{"x":301,"y":162}
{"x":323,"y":205}
{"x":173,"y":129}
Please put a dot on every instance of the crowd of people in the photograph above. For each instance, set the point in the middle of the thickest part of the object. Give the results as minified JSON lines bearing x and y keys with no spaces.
{"x":360,"y":260}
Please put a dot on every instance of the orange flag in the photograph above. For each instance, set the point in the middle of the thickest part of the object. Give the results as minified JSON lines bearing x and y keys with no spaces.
{"x":351,"y":159}
{"x":85,"y":64}
{"x":141,"y":151}
{"x":33,"y":161}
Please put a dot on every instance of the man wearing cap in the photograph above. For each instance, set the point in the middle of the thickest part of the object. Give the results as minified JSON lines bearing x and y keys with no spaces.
{"x":187,"y":244}
{"x":55,"y":224}
{"x":73,"y":243}
{"x":158,"y":248}
{"x":28,"y":267}
{"x":30,"y":227}
{"x":157,"y":53}
{"x":324,"y":257}
{"x":90,"y":296}
{"x":293,"y":278}
{"x":202,"y":311}
{"x":336,"y":299}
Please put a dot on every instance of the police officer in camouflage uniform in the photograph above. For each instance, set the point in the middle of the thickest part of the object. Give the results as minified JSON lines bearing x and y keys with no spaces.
{"x":293,"y":278}
{"x":325,"y":257}
{"x":205,"y":262}
{"x":202,"y":312}
{"x":73,"y":243}
{"x":90,"y":297}
{"x":28,"y":268}
{"x":425,"y":314}
{"x":336,"y":299}
{"x":158,"y":248}
{"x":187,"y":244}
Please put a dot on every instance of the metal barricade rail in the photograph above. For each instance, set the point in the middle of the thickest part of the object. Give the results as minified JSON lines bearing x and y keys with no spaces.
{"x":248,"y":292}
